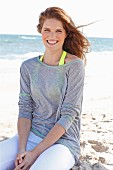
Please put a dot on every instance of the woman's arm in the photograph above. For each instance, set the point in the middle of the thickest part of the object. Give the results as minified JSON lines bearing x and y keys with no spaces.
{"x":55,"y":133}
{"x":25,"y":112}
{"x":25,"y":107}
{"x":24,"y":126}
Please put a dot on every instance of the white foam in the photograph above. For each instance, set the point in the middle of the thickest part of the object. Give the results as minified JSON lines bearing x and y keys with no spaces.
{"x":28,"y":37}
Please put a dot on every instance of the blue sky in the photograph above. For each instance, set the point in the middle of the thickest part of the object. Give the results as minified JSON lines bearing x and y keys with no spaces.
{"x":21,"y":16}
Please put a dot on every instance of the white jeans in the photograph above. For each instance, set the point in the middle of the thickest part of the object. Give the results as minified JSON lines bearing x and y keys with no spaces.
{"x":57,"y":157}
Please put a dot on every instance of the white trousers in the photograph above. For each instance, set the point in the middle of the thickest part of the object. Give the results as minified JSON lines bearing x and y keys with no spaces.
{"x":57,"y":157}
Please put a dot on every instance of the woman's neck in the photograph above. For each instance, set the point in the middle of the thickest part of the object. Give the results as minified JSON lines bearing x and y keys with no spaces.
{"x":52,"y":57}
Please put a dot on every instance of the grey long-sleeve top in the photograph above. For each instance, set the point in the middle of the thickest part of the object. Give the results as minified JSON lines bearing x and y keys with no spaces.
{"x":52,"y":95}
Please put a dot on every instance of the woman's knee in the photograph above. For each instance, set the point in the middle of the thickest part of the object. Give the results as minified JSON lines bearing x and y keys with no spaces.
{"x":57,"y":157}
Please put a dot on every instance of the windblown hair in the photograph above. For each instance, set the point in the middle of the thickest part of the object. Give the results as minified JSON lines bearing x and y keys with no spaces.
{"x":75,"y":43}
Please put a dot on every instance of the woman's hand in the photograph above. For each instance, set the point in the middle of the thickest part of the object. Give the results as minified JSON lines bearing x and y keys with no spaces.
{"x":25,"y":160}
{"x":20,"y":158}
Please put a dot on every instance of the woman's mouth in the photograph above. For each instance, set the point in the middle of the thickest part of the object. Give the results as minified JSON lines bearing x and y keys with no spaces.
{"x":52,"y":42}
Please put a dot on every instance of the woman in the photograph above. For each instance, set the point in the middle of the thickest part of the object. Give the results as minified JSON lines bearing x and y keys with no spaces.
{"x":50,"y":100}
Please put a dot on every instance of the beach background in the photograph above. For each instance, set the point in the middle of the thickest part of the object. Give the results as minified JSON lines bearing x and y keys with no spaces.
{"x":19,"y":41}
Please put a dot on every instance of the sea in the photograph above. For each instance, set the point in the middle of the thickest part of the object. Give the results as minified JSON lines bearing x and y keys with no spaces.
{"x":25,"y":46}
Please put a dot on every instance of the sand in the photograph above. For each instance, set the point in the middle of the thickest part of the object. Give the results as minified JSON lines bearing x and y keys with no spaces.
{"x":97,"y":114}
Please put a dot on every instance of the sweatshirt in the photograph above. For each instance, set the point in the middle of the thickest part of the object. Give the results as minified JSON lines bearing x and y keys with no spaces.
{"x":52,"y":95}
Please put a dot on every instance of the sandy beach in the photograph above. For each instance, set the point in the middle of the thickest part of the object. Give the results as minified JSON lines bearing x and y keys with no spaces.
{"x":97,"y":113}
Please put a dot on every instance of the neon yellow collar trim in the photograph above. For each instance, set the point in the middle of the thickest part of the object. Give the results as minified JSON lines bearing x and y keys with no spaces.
{"x":61,"y":62}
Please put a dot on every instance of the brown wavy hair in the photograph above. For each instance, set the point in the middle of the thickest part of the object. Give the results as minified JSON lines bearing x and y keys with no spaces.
{"x":75,"y":43}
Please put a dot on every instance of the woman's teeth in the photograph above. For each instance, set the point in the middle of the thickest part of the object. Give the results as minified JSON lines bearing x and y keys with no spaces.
{"x":52,"y":41}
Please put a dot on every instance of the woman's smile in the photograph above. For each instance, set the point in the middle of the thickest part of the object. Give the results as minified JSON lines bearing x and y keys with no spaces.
{"x":52,"y":42}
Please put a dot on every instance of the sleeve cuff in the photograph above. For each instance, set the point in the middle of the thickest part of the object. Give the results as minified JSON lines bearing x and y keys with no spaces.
{"x":65,"y":122}
{"x":23,"y":115}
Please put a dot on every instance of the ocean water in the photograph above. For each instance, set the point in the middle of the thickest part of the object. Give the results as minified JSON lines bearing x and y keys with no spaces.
{"x":25,"y":46}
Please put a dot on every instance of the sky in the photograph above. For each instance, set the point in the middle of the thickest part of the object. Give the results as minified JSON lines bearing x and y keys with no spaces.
{"x":21,"y":16}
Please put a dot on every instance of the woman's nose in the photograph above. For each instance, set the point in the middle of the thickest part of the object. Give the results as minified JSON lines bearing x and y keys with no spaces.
{"x":52,"y":34}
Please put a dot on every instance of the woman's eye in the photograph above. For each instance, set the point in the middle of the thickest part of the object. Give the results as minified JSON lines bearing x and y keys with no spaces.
{"x":46,"y":30}
{"x":59,"y":31}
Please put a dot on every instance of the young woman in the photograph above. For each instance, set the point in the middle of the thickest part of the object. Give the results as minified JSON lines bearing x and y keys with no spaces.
{"x":50,"y":100}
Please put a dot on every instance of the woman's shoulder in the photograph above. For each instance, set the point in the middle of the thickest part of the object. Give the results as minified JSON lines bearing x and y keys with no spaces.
{"x":71,"y":58}
{"x":29,"y":61}
{"x":76,"y":63}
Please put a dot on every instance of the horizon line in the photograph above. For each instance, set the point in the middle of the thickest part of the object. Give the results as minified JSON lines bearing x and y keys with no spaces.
{"x":23,"y":34}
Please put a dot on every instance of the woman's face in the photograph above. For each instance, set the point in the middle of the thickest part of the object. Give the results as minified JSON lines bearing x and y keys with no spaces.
{"x":53,"y":34}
